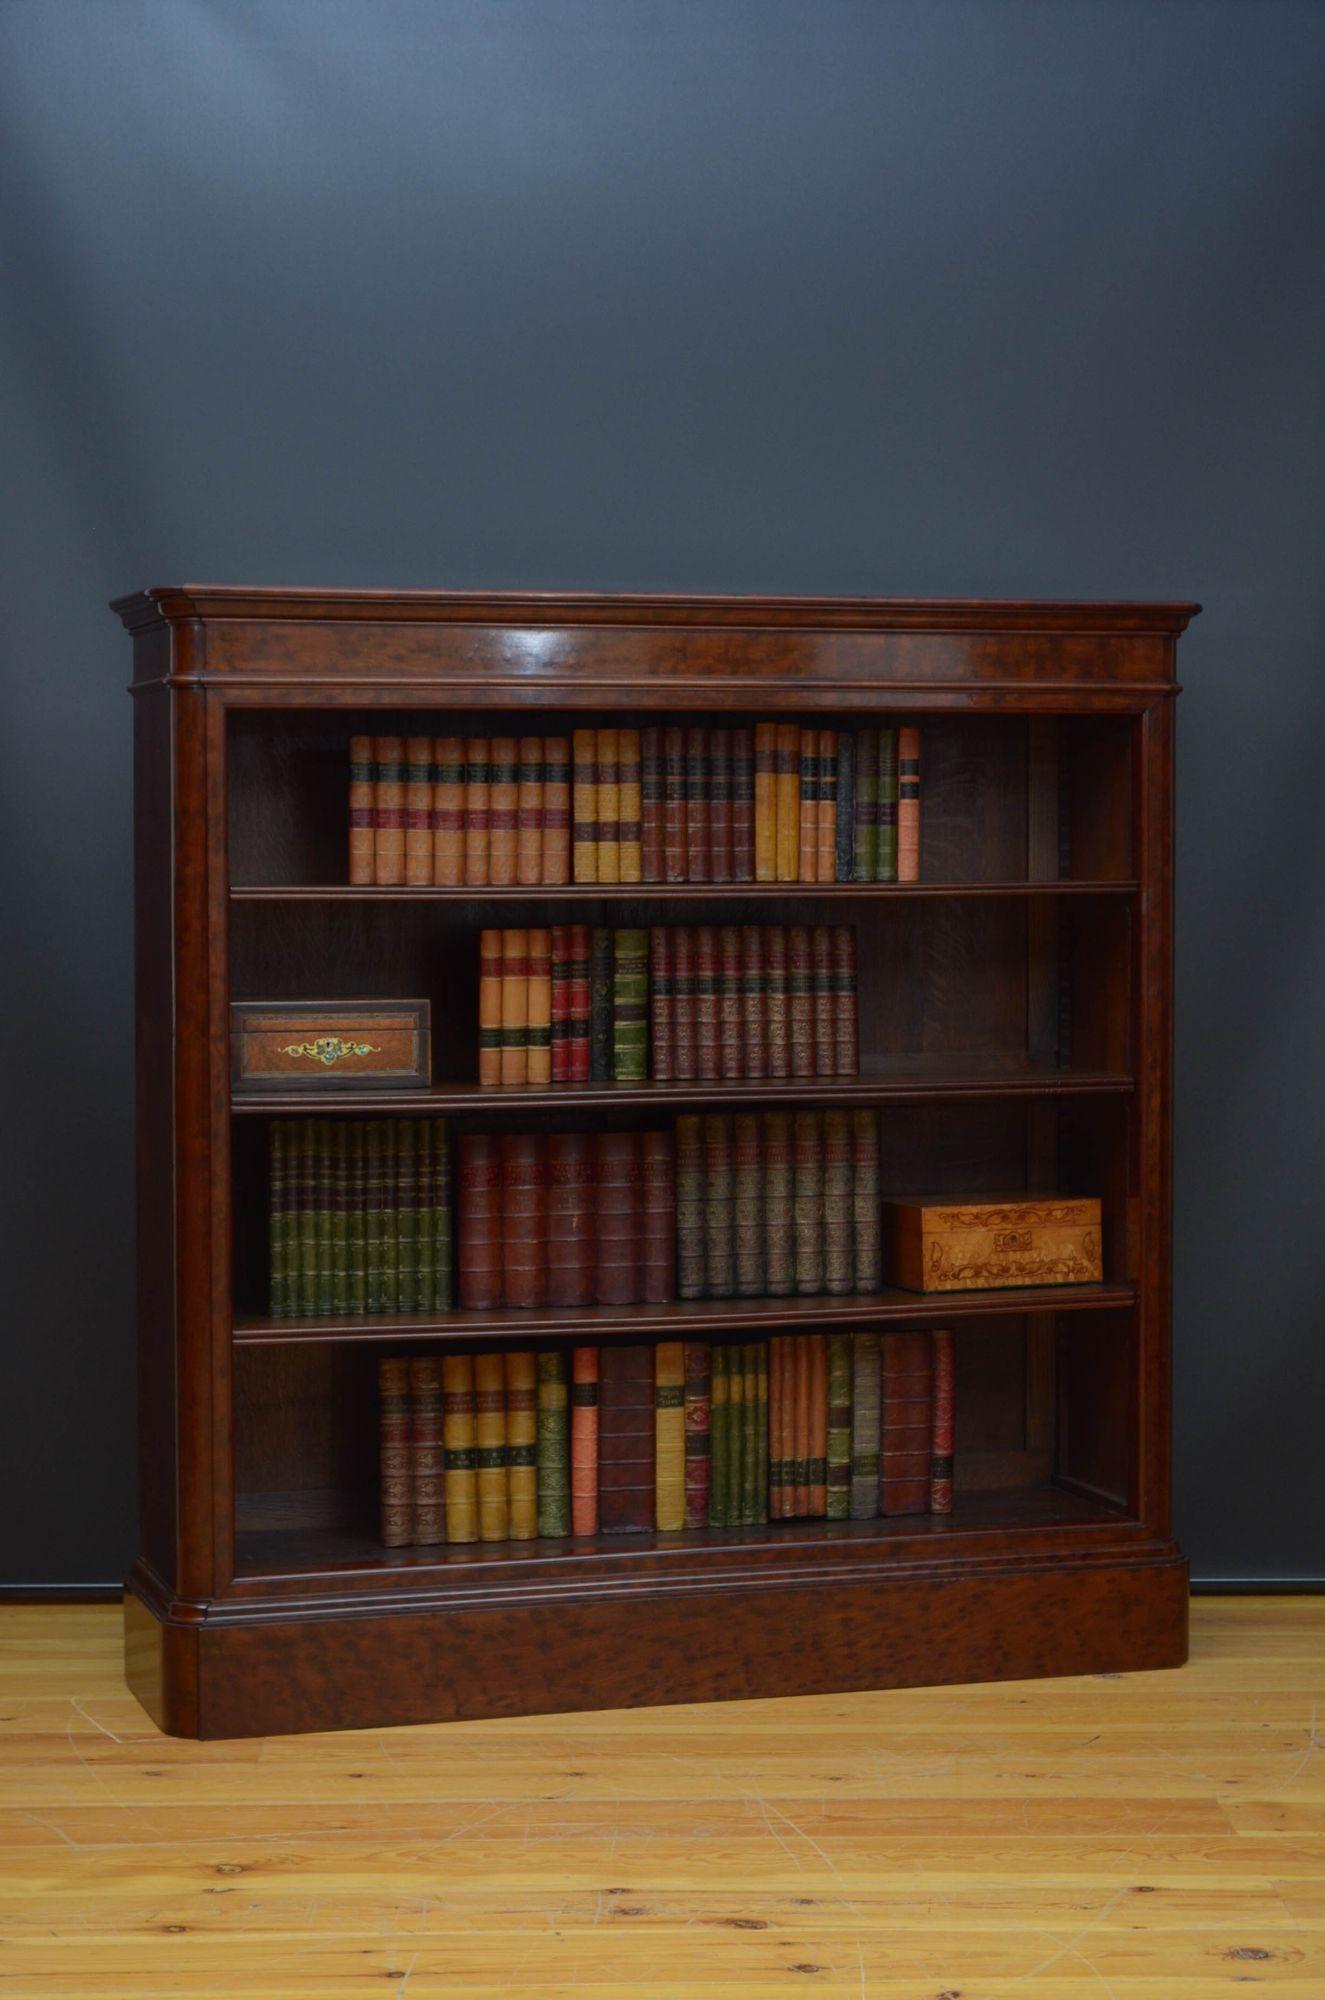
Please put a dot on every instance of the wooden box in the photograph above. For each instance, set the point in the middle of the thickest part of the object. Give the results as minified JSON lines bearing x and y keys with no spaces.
{"x":329,"y":1044}
{"x":933,"y":1244}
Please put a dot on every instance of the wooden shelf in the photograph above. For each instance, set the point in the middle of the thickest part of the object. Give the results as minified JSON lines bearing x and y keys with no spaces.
{"x":664,"y":892}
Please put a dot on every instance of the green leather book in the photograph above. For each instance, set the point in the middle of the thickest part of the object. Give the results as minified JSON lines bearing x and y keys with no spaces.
{"x":865,"y":807}
{"x":630,"y":1006}
{"x":355,"y":1221}
{"x":839,"y":1426}
{"x":553,"y":1445}
{"x":443,"y":1227}
{"x":407,"y":1215}
{"x":322,"y":1211}
{"x":374,"y":1217}
{"x":340,"y":1218}
{"x":885,"y":859}
{"x":424,"y":1245}
{"x":390,"y":1221}
{"x":866,"y":1416}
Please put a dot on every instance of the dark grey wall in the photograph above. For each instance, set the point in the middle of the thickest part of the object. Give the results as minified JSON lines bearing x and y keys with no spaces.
{"x":717,"y":294}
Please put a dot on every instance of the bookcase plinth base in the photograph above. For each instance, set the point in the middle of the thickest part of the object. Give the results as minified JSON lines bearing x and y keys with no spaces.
{"x":279,"y":1671}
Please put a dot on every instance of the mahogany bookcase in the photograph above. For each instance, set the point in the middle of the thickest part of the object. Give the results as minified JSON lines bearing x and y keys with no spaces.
{"x":1015,"y":1021}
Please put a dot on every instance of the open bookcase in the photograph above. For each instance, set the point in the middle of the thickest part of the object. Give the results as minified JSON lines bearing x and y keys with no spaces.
{"x":1014,"y":1023}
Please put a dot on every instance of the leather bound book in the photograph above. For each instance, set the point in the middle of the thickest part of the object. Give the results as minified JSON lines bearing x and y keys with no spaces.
{"x":708,"y":1061}
{"x":631,"y":807}
{"x":838,"y":1204}
{"x":514,"y":1009}
{"x":685,"y":1050}
{"x":886,"y":808}
{"x":555,"y":854}
{"x":865,"y":1405}
{"x":788,"y":787}
{"x":748,"y":1196}
{"x":418,"y":810}
{"x":490,"y":1446}
{"x":561,"y":1003}
{"x":777,"y":1450}
{"x":584,"y":1441}
{"x":731,"y":1005}
{"x":407,"y":1216}
{"x":322,"y":1182}
{"x":390,"y":1223}
{"x":720,"y":805}
{"x":478,"y":796}
{"x":448,"y":811}
{"x":389,"y":811}
{"x":428,"y":1473}
{"x":734,"y":1512}
{"x":651,"y":805}
{"x":940,"y":1464}
{"x":800,"y":1425}
{"x":658,"y":1263}
{"x":661,"y":1054}
{"x":279,"y":1207}
{"x":584,"y":804}
{"x":358,"y":1248}
{"x":754,"y":1043}
{"x":538,"y":1037}
{"x":340,"y":1218}
{"x":674,"y":805}
{"x":669,"y":1442}
{"x":524,"y":1182}
{"x":363,"y":838}
{"x":619,"y":1210}
{"x":571,"y":1256}
{"x":779,"y":1233}
{"x":459,"y":1448}
{"x":865,"y":842}
{"x":491,"y":971}
{"x":800,"y":1000}
{"x":743,"y":805}
{"x":808,"y":1201}
{"x":766,"y":807}
{"x":818,"y":1468}
{"x":608,"y":763}
{"x":553,"y":1471}
{"x":697,"y":805}
{"x":846,"y":1049}
{"x":626,"y":1459}
{"x":825,"y":1025}
{"x":838,"y":1500}
{"x":601,"y":980}
{"x":503,"y":806}
{"x":521,"y":1443}
{"x":480,"y":1191}
{"x":374,"y":1198}
{"x":777,"y":1010}
{"x":581,"y":1003}
{"x":845,"y":812}
{"x":424,"y":1244}
{"x":809,"y":805}
{"x":630,"y":1006}
{"x":443,"y":1243}
{"x":691,"y":1266}
{"x":395,"y":1464}
{"x":719,"y":1207}
{"x":697,"y":1434}
{"x":907,"y":1434}
{"x":759,"y":1512}
{"x":529,"y":811}
{"x":719,"y":1437}
{"x":908,"y":805}
{"x":826,"y":863}
{"x":866,"y":1214}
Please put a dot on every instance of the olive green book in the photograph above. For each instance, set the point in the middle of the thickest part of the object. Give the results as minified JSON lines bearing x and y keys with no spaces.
{"x":278,"y":1295}
{"x":305,"y":1171}
{"x":630,"y":1006}
{"x":443,"y":1254}
{"x":407,"y":1215}
{"x":425,"y":1248}
{"x":553,"y":1445}
{"x":374,"y":1218}
{"x":322,"y":1213}
{"x":357,"y":1246}
{"x":839,"y":1426}
{"x":340,"y":1218}
{"x":390,"y":1220}
{"x":885,"y":856}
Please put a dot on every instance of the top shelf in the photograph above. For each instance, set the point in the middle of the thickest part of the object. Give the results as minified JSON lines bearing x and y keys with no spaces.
{"x":679,"y":892}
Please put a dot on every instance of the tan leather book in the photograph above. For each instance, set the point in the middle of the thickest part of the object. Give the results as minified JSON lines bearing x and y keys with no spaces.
{"x":515,"y":1009}
{"x":490,"y":972}
{"x":608,"y":765}
{"x":539,"y":1023}
{"x":418,"y":810}
{"x":502,"y":811}
{"x":787,"y":774}
{"x":490,"y":1445}
{"x":529,"y":812}
{"x":631,"y":806}
{"x":556,"y":811}
{"x":478,"y":789}
{"x":584,"y":804}
{"x":362,"y":830}
{"x":766,"y":811}
{"x":448,"y":811}
{"x":389,"y":811}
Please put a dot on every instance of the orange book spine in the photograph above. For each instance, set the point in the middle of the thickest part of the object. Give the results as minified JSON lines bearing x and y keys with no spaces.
{"x":418,"y":810}
{"x":584,"y":804}
{"x":539,"y":1036}
{"x":389,"y":811}
{"x":448,"y":811}
{"x":826,"y":864}
{"x":503,"y":807}
{"x":766,"y":809}
{"x":607,"y":761}
{"x":787,"y":777}
{"x":490,"y":953}
{"x":515,"y":1009}
{"x":584,"y":1441}
{"x":808,"y":767}
{"x":908,"y":805}
{"x":631,"y":823}
{"x":490,"y":1438}
{"x":556,"y":811}
{"x":529,"y":812}
{"x":801,"y":1422}
{"x":362,"y":831}
{"x":477,"y":801}
{"x":818,"y":1423}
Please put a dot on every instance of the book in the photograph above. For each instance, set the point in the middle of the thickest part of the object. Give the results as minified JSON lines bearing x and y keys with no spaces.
{"x":584,"y":1441}
{"x":357,"y":1250}
{"x":490,"y":1445}
{"x":393,"y":1454}
{"x":279,"y":1207}
{"x":708,"y":1058}
{"x":826,"y":831}
{"x":941,"y":1443}
{"x":777,"y":1430}
{"x":390,"y":1223}
{"x":845,"y":815}
{"x":601,"y":976}
{"x":570,"y":1219}
{"x":669,"y":1436}
{"x":846,"y":1052}
{"x":808,"y":764}
{"x":817,"y":1482}
{"x":626,"y":1456}
{"x":427,"y":1470}
{"x":443,"y":1229}
{"x":759,"y":1507}
{"x":580,"y":1003}
{"x":719,"y":1207}
{"x":618,"y":1201}
{"x":697,"y":805}
{"x":561,"y":1003}
{"x":524,"y":1188}
{"x":674,"y":805}
{"x":630,"y":1006}
{"x":906,"y":1434}
{"x":322,"y":1217}
{"x":765,"y":802}
{"x":374,"y":1223}
{"x":734,"y":1484}
{"x":779,"y":1239}
{"x":530,"y":779}
{"x":754,"y":1041}
{"x":608,"y":767}
{"x":407,"y":1217}
{"x":800,"y":1000}
{"x":691,"y":1267}
{"x":799,"y":1480}
{"x":660,"y":1005}
{"x":553,"y":1444}
{"x":478,"y":789}
{"x":651,"y":805}
{"x":363,"y":839}
{"x":697,"y":1433}
{"x":388,"y":810}
{"x":340,"y":1217}
{"x":753,"y":1502}
{"x":448,"y":811}
{"x":731,"y":1006}
{"x":887,"y":807}
{"x":491,"y":971}
{"x":503,"y":806}
{"x":866,"y":807}
{"x":556,"y":844}
{"x":788,"y":786}
{"x":720,"y":805}
{"x":418,"y":810}
{"x":459,"y":1447}
{"x":631,"y":807}
{"x":538,"y":1034}
{"x":719,"y":1437}
{"x":584,"y":804}
{"x":822,"y":1015}
{"x":839,"y":1267}
{"x":658,"y":1197}
{"x":514,"y":1009}
{"x":837,"y":1505}
{"x":908,"y":805}
{"x":867,"y":1221}
{"x":865,"y":1407}
{"x":685,"y":1051}
{"x":777,"y":1015}
{"x":748,"y":1205}
{"x":521,"y":1387}
{"x":807,"y":1198}
{"x":743,"y":805}
{"x":480,"y":1191}
{"x":424,"y":1239}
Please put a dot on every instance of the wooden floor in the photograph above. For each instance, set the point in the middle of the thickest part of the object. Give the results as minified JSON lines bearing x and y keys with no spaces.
{"x":1151,"y":1837}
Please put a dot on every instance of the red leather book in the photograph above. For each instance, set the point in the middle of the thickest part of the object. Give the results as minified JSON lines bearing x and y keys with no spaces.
{"x":801,"y":1000}
{"x":940,"y":1464}
{"x":651,"y":804}
{"x":580,"y":1003}
{"x":626,"y":1439}
{"x":826,"y":837}
{"x":658,"y":1261}
{"x":754,"y":1049}
{"x":825,"y":1027}
{"x":571,"y":1233}
{"x":524,"y":1218}
{"x":720,"y":805}
{"x":690,"y":1260}
{"x":561,"y":1003}
{"x":743,"y":805}
{"x":908,"y":805}
{"x":906,"y":1439}
{"x":719,"y":1207}
{"x":427,"y":1475}
{"x":697,"y":806}
{"x":674,"y":805}
{"x":394,"y":1458}
{"x":479,"y":1189}
{"x":846,"y":1048}
{"x":661,"y":1049}
{"x":584,"y":1441}
{"x":684,"y":1046}
{"x":619,"y":1210}
{"x":707,"y":1054}
{"x":777,"y":1012}
{"x":731,"y":1012}
{"x":809,"y":805}
{"x":697,"y":1433}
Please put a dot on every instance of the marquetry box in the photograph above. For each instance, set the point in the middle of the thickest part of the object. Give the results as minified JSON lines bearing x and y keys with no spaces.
{"x":938,"y":1245}
{"x":330,"y":1044}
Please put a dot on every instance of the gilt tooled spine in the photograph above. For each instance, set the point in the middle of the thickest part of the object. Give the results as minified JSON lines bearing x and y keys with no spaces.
{"x":691,"y":1266}
{"x":867,"y":1220}
{"x":838,"y":1503}
{"x":561,"y":1004}
{"x":556,"y":846}
{"x":538,"y":1035}
{"x":777,"y":1012}
{"x":808,"y":765}
{"x":754,"y":1044}
{"x":720,"y":805}
{"x":459,"y":1448}
{"x":808,"y":1199}
{"x":906,"y":1436}
{"x":323,"y":1213}
{"x":708,"y":1059}
{"x":941,"y":1448}
{"x":515,"y":1010}
{"x":479,"y":1174}
{"x":608,"y":765}
{"x":407,"y":1216}
{"x":845,"y":811}
{"x":719,"y":1437}
{"x":618,"y":1207}
{"x":865,"y":829}
{"x":866,"y":1389}
{"x":846,"y":1051}
{"x":361,"y":803}
{"x":503,"y":808}
{"x":684,"y":1044}
{"x":779,"y":1207}
{"x":719,"y":1207}
{"x":478,"y":793}
{"x":826,"y":857}
{"x":570,"y":1219}
{"x":373,"y":1196}
{"x":631,"y":807}
{"x":581,"y":1004}
{"x":766,"y":802}
{"x":389,"y":811}
{"x":491,"y":951}
{"x":674,"y":805}
{"x":448,"y":811}
{"x":661,"y":1047}
{"x":418,"y":810}
{"x":748,"y":1209}
{"x":838,"y":1210}
{"x":584,"y":1441}
{"x":554,"y":1504}
{"x":278,"y":1207}
{"x":394,"y":1456}
{"x":697,"y":806}
{"x":358,"y":1247}
{"x":530,"y":778}
{"x":824,"y":1022}
{"x":651,"y":805}
{"x":669,"y":1441}
{"x":658,"y":1256}
{"x":601,"y":952}
{"x":428,"y":1481}
{"x":697,"y":1433}
{"x":490,"y":1446}
{"x":743,"y":805}
{"x":584,"y":804}
{"x":443,"y":1253}
{"x":521,"y":1443}
{"x":800,"y":1001}
{"x":524,"y":1218}
{"x":731,"y":1010}
{"x":626,"y":1429}
{"x":887,"y":816}
{"x":908,"y":805}
{"x":425,"y":1246}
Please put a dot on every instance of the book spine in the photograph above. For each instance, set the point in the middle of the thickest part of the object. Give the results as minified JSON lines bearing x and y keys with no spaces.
{"x":751,"y":1510}
{"x":826,"y":864}
{"x":584,"y":804}
{"x":940,"y":1464}
{"x":478,"y":798}
{"x":443,"y":1243}
{"x":553,"y":1444}
{"x":734,"y":1510}
{"x":908,"y":805}
{"x":845,"y":815}
{"x":556,"y":847}
{"x":690,"y":1259}
{"x":867,"y":1220}
{"x":697,"y":806}
{"x":651,"y":805}
{"x":570,"y":1219}
{"x":818,"y":1469}
{"x":777,"y":1451}
{"x":865,"y":811}
{"x":674,"y":805}
{"x":601,"y":952}
{"x":824,"y":1024}
{"x":743,"y":805}
{"x":373,"y":1221}
{"x":684,"y":1041}
{"x":424,"y":1240}
{"x":390,"y":1219}
{"x":777,"y":1015}
{"x":608,"y":765}
{"x":521,"y":1386}
{"x":800,"y":995}
{"x":865,"y":1409}
{"x":363,"y":841}
{"x":494,"y":1518}
{"x":658,"y":1262}
{"x":748,"y":1199}
{"x":719,"y":1437}
{"x":719,"y":1206}
{"x":766,"y":803}
{"x":524,"y":1218}
{"x":754,"y":1032}
{"x":503,"y":811}
{"x":394,"y":1457}
{"x":779,"y":1216}
{"x":787,"y":772}
{"x":530,"y":780}
{"x":357,"y":1257}
{"x":631,"y":824}
{"x":800,"y":1425}
{"x":808,"y":766}
{"x":322,"y":1215}
{"x":618,"y":1206}
{"x":846,"y":1046}
{"x":838,"y":1500}
{"x":731,"y":1009}
{"x":761,"y":1433}
{"x":491,"y":972}
{"x":626,"y":1454}
{"x":669,"y":1436}
{"x":581,"y":1004}
{"x":708,"y":1054}
{"x":906,"y":1436}
{"x":838,"y":1206}
{"x":278,"y":1208}
{"x":428,"y":1482}
{"x":720,"y":805}
{"x":697,"y":1433}
{"x":388,"y":810}
{"x":660,"y":1005}
{"x":480,"y":1184}
{"x":301,"y":1236}
{"x":584,"y":1441}
{"x":630,"y":1006}
{"x":886,"y":810}
{"x":514,"y":1009}
{"x":448,"y":811}
{"x":459,"y":1448}
{"x":418,"y":810}
{"x":561,"y":1003}
{"x":407,"y":1216}
{"x":808,"y":1199}
{"x":539,"y":1028}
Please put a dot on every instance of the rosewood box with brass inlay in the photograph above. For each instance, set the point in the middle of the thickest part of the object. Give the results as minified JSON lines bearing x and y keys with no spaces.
{"x":329,"y":1044}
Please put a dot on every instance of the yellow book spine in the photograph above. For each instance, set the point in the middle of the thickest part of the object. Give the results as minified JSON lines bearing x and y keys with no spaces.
{"x":584,"y":805}
{"x":631,"y":807}
{"x":766,"y":809}
{"x":490,"y":1438}
{"x":788,"y":802}
{"x":522,"y":1444}
{"x":418,"y":810}
{"x":609,"y":805}
{"x":669,"y":1436}
{"x":539,"y":1031}
{"x":489,"y":1008}
{"x":459,"y":1447}
{"x":515,"y":1009}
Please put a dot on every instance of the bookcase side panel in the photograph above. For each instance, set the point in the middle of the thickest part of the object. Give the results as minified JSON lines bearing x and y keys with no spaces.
{"x":1152,"y":1166}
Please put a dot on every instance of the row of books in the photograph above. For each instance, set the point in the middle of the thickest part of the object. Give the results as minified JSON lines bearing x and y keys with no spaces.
{"x":359,"y":1216}
{"x":574,"y":1004}
{"x":483,"y":811}
{"x":510,"y":1445}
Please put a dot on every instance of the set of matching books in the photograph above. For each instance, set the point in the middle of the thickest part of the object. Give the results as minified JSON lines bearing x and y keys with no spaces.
{"x":776,"y":803}
{"x":775,"y":1204}
{"x":566,"y":1219}
{"x":499,"y":1446}
{"x":483,"y":812}
{"x":359,"y":1216}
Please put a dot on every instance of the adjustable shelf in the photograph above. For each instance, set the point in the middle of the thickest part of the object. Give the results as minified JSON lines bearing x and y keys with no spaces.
{"x":755,"y":893}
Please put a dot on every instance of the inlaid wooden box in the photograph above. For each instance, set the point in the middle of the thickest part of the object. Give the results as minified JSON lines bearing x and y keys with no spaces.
{"x":330,"y":1044}
{"x":933,"y":1244}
